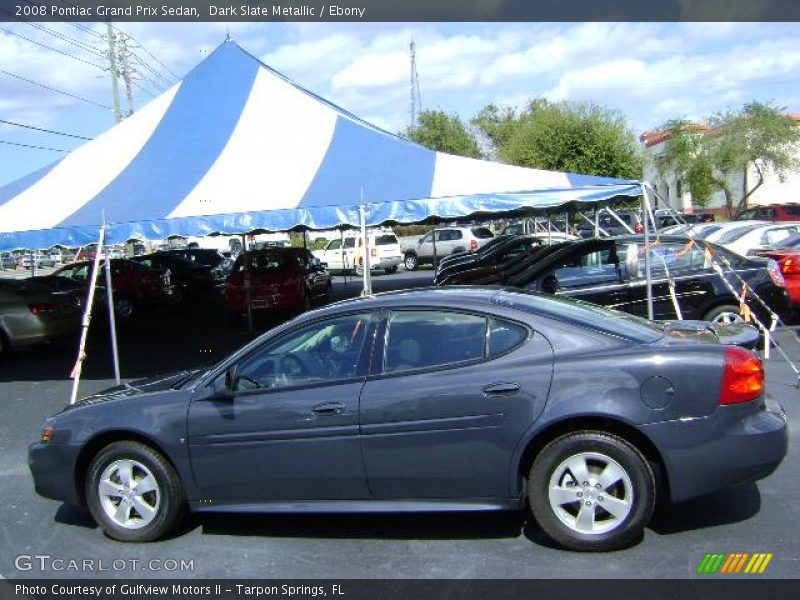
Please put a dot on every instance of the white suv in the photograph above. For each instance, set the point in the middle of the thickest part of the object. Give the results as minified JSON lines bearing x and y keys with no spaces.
{"x":448,"y":240}
{"x":346,"y":255}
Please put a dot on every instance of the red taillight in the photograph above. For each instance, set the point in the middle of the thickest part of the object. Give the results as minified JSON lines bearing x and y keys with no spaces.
{"x":791,"y":266}
{"x":41,"y":308}
{"x":742,"y":377}
{"x":638,"y":228}
{"x":473,"y":245}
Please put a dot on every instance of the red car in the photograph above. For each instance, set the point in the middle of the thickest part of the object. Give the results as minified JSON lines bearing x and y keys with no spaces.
{"x":787,"y":254}
{"x":279,"y":279}
{"x":771,"y":213}
{"x":135,"y":286}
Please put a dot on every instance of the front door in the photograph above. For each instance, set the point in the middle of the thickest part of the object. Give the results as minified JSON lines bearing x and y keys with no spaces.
{"x":449,"y":399}
{"x":289,"y":430}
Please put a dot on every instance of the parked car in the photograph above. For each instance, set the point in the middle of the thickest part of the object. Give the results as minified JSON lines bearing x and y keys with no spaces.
{"x":448,"y":240}
{"x":206,"y":257}
{"x":756,"y":237}
{"x":37,"y":260}
{"x":787,"y":254}
{"x":135,"y":286}
{"x":9,"y":260}
{"x":31,"y":314}
{"x":507,"y":250}
{"x":773,"y":213}
{"x":193,"y":279}
{"x":727,"y":228}
{"x":611,"y":272}
{"x":278,"y":279}
{"x":345,"y":254}
{"x":698,"y":230}
{"x":427,"y":400}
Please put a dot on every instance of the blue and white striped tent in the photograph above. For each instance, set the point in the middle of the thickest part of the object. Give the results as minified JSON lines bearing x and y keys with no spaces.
{"x":237,"y":147}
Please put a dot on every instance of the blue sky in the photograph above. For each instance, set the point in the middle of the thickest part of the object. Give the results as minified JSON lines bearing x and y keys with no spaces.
{"x":649,"y":72}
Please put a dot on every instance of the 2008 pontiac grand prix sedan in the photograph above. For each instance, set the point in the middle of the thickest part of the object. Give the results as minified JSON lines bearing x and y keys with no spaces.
{"x":428,"y":400}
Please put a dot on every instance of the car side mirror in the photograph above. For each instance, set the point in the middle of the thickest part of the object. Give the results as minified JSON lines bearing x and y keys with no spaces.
{"x":223,"y":387}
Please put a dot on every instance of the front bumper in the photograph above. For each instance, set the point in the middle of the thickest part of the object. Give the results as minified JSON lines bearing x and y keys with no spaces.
{"x":53,"y":470}
{"x":729,"y":447}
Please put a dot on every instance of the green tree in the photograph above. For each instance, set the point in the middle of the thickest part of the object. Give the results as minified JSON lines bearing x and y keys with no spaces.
{"x":757,"y":139}
{"x":578,"y":137}
{"x":443,"y":132}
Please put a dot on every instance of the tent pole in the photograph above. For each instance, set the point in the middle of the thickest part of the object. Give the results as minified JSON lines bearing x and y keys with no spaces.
{"x":362,"y":209}
{"x":549,"y":231}
{"x":87,"y":318}
{"x":621,"y":222}
{"x":648,"y":278}
{"x":433,"y":239}
{"x":247,"y":287}
{"x":112,"y":319}
{"x":596,"y":221}
{"x":344,"y":256}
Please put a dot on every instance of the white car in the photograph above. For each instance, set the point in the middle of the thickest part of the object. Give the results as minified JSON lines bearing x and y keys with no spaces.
{"x":756,"y":237}
{"x":728,"y":228}
{"x":343,"y":255}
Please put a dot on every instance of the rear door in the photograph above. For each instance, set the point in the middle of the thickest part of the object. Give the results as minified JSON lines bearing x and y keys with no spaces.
{"x":450,"y":395}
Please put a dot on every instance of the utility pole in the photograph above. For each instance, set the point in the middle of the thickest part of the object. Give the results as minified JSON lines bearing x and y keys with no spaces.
{"x":415,"y":102}
{"x":112,"y":65}
{"x":125,"y":65}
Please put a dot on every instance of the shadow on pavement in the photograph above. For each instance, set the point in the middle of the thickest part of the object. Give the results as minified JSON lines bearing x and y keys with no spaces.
{"x":733,"y":505}
{"x":428,"y":526}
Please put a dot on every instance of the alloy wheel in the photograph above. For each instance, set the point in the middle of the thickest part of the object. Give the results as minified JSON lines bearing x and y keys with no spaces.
{"x":591,"y":493}
{"x":124,"y":307}
{"x":727,"y":318}
{"x":129,"y":493}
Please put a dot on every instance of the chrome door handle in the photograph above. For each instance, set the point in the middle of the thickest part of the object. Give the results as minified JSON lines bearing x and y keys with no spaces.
{"x":500,"y":388}
{"x":328,"y":409}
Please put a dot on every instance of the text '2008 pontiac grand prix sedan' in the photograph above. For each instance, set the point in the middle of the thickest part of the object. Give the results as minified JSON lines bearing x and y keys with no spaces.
{"x":427,"y":400}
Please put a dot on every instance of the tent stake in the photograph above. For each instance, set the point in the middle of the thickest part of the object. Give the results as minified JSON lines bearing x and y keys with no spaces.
{"x":87,"y":318}
{"x":112,"y":319}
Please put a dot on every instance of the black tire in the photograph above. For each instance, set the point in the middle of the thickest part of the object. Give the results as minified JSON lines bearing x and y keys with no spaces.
{"x":328,"y":293}
{"x":641,"y":483}
{"x":718,"y":311}
{"x":5,"y":346}
{"x":411,"y":262}
{"x":125,"y":307}
{"x":390,"y":270}
{"x":171,"y":507}
{"x":307,"y":301}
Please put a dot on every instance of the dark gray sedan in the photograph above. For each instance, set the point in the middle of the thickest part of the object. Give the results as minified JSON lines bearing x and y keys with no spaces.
{"x":459,"y":399}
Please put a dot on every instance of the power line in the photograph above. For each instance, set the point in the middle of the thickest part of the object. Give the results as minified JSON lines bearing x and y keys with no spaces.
{"x":24,"y":126}
{"x":34,"y":147}
{"x":56,"y":50}
{"x":66,"y":38}
{"x":150,"y":54}
{"x":52,"y":89}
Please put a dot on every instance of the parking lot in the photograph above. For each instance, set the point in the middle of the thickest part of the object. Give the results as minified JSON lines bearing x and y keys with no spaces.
{"x":753,"y":518}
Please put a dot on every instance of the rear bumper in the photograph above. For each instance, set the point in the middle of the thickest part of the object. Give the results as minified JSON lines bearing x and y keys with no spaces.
{"x":53,"y":470}
{"x":36,"y":332}
{"x":729,"y":447}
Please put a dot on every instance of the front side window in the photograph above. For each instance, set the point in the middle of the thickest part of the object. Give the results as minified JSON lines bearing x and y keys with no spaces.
{"x":322,"y":352}
{"x":334,"y":245}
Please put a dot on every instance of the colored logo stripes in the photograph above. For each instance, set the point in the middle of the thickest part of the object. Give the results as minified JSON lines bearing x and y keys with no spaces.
{"x":743,"y":562}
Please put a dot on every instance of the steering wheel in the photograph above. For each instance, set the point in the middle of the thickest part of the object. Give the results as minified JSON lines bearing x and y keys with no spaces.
{"x":247,"y":380}
{"x":299,"y":369}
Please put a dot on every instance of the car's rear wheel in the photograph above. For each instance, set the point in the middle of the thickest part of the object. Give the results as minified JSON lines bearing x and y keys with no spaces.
{"x":591,"y":491}
{"x":724,"y":315}
{"x":134,"y":493}
{"x":411,"y":263}
{"x":390,"y":270}
{"x":124,"y":307}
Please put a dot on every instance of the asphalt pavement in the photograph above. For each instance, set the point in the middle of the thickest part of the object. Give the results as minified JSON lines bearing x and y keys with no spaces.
{"x":761,"y":517}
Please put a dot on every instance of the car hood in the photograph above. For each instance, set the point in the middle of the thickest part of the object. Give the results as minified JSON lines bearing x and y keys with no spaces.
{"x":138,"y":387}
{"x":734,"y":334}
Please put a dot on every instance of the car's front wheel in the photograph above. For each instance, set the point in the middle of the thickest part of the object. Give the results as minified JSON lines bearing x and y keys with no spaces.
{"x":591,"y":491}
{"x":134,"y":493}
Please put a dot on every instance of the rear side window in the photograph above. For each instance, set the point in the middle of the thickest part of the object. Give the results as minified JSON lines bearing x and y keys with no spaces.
{"x":504,"y":336}
{"x":350,"y":242}
{"x":482,"y":233}
{"x":385,"y":240}
{"x":792,"y":211}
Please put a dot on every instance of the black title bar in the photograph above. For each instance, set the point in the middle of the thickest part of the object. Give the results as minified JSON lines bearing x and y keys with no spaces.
{"x":400,"y":10}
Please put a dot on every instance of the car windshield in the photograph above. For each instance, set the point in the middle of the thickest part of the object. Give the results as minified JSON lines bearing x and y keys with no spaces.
{"x":596,"y":317}
{"x":385,"y":240}
{"x":266,"y":263}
